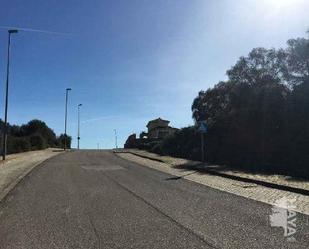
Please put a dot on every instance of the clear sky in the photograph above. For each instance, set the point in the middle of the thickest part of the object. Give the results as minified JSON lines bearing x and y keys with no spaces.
{"x":129,"y":61}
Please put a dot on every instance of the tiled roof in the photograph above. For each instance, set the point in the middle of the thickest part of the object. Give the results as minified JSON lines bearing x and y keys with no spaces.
{"x":158,"y":119}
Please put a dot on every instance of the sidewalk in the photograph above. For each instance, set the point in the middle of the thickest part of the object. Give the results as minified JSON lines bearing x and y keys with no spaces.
{"x":260,"y":187}
{"x":280,"y":180}
{"x":19,"y":165}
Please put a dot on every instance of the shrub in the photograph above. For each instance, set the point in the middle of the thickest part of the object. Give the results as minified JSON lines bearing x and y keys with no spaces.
{"x":18,"y":144}
{"x":37,"y":142}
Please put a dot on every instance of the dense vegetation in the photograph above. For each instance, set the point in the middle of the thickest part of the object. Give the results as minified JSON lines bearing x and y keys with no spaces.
{"x":35,"y":135}
{"x":259,"y":118}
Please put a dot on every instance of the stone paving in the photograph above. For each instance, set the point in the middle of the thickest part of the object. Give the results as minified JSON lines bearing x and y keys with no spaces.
{"x":247,"y":190}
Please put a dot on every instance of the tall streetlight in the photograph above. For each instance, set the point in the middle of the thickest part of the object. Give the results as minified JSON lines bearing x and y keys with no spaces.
{"x":116,"y":145}
{"x":78,"y":126}
{"x":66,"y":117}
{"x":11,"y":31}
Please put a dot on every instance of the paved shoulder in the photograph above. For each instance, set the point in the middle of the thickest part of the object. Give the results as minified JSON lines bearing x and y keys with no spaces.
{"x":19,"y":165}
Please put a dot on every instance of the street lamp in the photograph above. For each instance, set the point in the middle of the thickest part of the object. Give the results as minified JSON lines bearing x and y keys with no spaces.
{"x":11,"y":31}
{"x":78,"y":126}
{"x":115,"y":131}
{"x":66,"y":117}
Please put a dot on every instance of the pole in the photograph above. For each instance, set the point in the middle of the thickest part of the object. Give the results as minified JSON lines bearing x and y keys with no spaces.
{"x":4,"y":139}
{"x":78,"y":129}
{"x":116,"y":145}
{"x":66,"y":117}
{"x":202,"y":147}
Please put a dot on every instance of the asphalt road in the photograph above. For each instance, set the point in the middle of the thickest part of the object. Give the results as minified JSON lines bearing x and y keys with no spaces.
{"x":93,"y":199}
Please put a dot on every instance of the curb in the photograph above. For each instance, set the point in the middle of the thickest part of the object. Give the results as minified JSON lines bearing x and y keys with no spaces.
{"x":136,"y":154}
{"x":259,"y":182}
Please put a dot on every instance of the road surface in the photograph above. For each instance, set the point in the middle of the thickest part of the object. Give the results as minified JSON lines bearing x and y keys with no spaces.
{"x":93,"y":199}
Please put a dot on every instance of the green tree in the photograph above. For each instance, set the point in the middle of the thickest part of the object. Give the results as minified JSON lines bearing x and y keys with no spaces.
{"x":39,"y":127}
{"x":37,"y":142}
{"x":17,"y":144}
{"x":34,"y":135}
{"x":296,"y":67}
{"x":246,"y":114}
{"x":62,"y":138}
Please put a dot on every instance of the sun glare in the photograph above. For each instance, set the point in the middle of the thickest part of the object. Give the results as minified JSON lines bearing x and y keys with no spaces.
{"x":282,"y":3}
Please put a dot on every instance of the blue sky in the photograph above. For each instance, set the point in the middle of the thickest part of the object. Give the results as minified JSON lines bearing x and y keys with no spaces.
{"x":130,"y":61}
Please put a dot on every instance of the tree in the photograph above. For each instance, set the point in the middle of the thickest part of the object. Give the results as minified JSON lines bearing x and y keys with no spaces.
{"x":18,"y":144}
{"x":183,"y":143}
{"x":258,"y":119}
{"x":37,"y":142}
{"x":62,"y":138}
{"x":296,"y":67}
{"x":260,"y":65}
{"x":39,"y":127}
{"x":34,"y":135}
{"x":253,"y":117}
{"x":297,"y":135}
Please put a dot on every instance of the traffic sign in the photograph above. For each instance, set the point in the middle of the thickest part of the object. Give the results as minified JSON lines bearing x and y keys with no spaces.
{"x":202,"y":127}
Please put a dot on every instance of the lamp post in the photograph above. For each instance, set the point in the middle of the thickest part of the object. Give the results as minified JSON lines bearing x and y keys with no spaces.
{"x":116,"y":145}
{"x":78,"y":126}
{"x":66,"y":117}
{"x":11,"y":31}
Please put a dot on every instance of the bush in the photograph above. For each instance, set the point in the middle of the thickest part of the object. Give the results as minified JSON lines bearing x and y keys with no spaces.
{"x":184,"y":143}
{"x":37,"y":142}
{"x":35,"y":127}
{"x":35,"y":135}
{"x":61,"y":139}
{"x":18,"y":144}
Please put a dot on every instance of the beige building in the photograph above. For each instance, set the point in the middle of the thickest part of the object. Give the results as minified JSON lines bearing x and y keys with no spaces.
{"x":159,"y":128}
